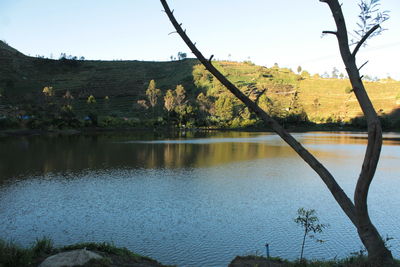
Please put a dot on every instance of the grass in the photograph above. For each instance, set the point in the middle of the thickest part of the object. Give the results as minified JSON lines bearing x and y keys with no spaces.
{"x":12,"y":255}
{"x":259,"y":261}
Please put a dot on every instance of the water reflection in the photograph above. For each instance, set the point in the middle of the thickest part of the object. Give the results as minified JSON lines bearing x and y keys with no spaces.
{"x":197,"y":199}
{"x":46,"y":154}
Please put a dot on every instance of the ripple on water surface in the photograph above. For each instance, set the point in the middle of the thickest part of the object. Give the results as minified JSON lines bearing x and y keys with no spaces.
{"x":201,"y":216}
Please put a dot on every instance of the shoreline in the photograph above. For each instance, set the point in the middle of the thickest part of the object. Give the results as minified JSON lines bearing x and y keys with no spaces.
{"x":113,"y":256}
{"x":100,"y":130}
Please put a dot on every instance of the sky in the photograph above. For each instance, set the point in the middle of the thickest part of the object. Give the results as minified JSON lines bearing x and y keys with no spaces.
{"x":287,"y":32}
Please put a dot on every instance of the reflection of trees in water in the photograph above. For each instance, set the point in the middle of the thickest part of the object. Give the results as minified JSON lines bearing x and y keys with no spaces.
{"x":41,"y":155}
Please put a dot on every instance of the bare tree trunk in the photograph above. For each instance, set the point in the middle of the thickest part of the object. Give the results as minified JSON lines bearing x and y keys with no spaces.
{"x":302,"y":245}
{"x":369,"y":235}
{"x":326,"y":176}
{"x":357,"y":213}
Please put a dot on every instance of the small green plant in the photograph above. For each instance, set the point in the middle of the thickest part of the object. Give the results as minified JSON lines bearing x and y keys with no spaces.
{"x":309,"y":221}
{"x":43,"y":246}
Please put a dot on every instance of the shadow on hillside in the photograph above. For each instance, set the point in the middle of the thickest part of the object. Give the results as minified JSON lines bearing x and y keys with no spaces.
{"x":23,"y":78}
{"x":389,"y":122}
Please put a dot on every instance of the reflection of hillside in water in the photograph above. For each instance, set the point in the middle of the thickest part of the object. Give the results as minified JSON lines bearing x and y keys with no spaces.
{"x":345,"y":138}
{"x":41,"y":155}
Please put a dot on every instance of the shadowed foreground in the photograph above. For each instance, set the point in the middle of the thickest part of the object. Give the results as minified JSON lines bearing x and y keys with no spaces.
{"x":12,"y":255}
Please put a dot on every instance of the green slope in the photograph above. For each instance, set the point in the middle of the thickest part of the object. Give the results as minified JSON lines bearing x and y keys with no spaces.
{"x":22,"y":76}
{"x":277,"y":90}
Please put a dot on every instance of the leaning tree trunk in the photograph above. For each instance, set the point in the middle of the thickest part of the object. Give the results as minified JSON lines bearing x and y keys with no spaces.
{"x":358,"y":212}
{"x":370,"y":237}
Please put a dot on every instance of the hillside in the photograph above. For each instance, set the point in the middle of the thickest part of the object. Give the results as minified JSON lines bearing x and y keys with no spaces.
{"x":26,"y":76}
{"x":331,"y":97}
{"x":278,"y":90}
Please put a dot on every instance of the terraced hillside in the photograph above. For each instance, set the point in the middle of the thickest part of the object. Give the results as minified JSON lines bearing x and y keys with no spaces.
{"x":278,"y":90}
{"x":22,"y":76}
{"x":323,"y":98}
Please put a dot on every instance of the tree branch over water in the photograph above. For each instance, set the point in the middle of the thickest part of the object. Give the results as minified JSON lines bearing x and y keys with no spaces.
{"x":337,"y":192}
{"x":357,"y":212}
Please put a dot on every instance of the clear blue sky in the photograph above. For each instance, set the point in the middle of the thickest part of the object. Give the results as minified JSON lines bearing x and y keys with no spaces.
{"x":287,"y":31}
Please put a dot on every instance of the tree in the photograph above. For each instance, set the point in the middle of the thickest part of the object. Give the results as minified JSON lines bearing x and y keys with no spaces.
{"x":369,"y":235}
{"x":91,"y":100}
{"x":206,"y":108}
{"x":142,"y":103}
{"x":153,"y":93}
{"x":204,"y":102}
{"x":309,"y":221}
{"x":299,"y":69}
{"x":182,"y":107}
{"x":68,"y":95}
{"x":335,"y":72}
{"x":67,"y":98}
{"x":357,"y":212}
{"x":325,"y":75}
{"x":180,"y":95}
{"x":181,"y":55}
{"x":48,"y":91}
{"x":224,"y":108}
{"x":169,"y":100}
{"x":370,"y":17}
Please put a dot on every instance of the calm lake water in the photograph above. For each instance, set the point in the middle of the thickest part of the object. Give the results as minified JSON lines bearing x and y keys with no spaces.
{"x":197,"y":199}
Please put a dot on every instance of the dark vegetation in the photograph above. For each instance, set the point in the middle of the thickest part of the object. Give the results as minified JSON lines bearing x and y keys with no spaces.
{"x":12,"y":255}
{"x":356,"y":260}
{"x":39,"y":93}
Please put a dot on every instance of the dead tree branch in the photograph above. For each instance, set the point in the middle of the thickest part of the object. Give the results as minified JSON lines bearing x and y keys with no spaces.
{"x":366,"y":230}
{"x":330,"y":32}
{"x":337,"y":192}
{"x":365,"y":37}
{"x":365,"y":63}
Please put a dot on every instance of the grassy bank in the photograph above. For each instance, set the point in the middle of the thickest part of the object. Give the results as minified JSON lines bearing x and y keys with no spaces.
{"x":12,"y":255}
{"x":259,"y":261}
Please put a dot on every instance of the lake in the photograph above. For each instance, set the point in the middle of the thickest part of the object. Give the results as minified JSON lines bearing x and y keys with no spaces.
{"x":194,"y":199}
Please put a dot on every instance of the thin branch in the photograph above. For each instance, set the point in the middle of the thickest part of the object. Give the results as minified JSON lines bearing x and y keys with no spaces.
{"x":365,"y":37}
{"x":330,"y":32}
{"x":209,"y":60}
{"x":172,"y":32}
{"x":343,"y":200}
{"x":363,"y":65}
